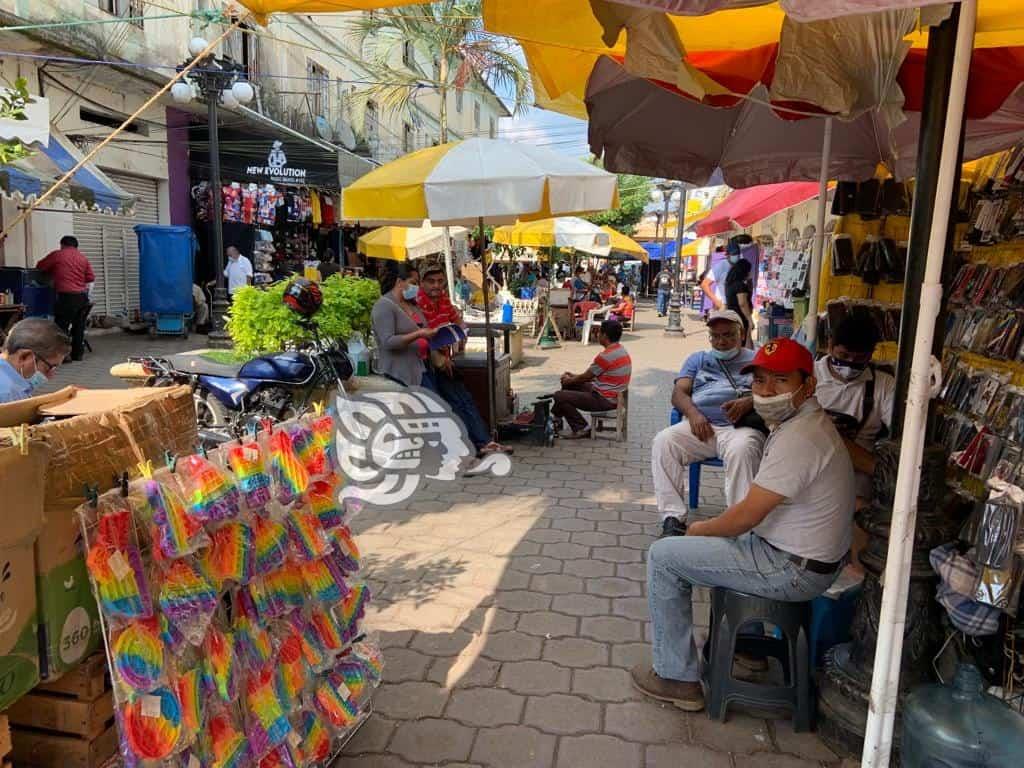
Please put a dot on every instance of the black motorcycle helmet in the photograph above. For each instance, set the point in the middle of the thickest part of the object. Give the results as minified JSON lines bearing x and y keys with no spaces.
{"x":303,"y":297}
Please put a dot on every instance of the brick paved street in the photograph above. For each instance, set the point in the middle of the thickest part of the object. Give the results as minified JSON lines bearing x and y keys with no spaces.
{"x":511,"y":608}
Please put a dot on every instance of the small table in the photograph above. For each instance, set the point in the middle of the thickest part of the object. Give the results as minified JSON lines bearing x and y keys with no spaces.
{"x":505,"y":328}
{"x":9,"y":315}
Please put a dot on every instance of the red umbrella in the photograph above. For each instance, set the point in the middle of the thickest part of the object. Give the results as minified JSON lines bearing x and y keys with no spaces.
{"x":744,"y":207}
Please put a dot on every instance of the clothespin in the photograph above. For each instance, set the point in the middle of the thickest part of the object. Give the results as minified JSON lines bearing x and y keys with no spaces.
{"x":171,"y":460}
{"x":318,"y":408}
{"x":146,"y":469}
{"x":251,"y":429}
{"x":201,"y":450}
{"x":92,"y":495}
{"x":268,"y":425}
{"x":21,"y":439}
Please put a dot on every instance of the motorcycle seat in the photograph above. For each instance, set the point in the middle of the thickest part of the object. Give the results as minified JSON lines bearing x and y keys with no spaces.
{"x":190,"y":362}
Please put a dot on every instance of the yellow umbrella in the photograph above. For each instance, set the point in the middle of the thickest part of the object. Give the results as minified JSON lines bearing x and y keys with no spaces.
{"x":562,"y":232}
{"x":626,"y":245}
{"x":261,"y":9}
{"x":402,"y":243}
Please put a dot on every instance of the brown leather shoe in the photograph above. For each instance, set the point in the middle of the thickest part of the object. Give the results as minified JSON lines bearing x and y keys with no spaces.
{"x":750,"y":663}
{"x":685,"y":695}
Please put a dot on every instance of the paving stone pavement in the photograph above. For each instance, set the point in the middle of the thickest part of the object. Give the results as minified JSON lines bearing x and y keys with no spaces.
{"x":511,"y":608}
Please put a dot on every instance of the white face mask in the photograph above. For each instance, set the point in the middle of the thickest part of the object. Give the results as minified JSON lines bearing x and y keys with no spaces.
{"x":410,"y":292}
{"x":775,"y":409}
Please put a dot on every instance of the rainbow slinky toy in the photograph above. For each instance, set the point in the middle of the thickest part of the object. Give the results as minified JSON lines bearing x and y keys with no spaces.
{"x":309,"y":541}
{"x":227,"y":744}
{"x":231,"y":554}
{"x":178,"y":533}
{"x":338,"y":703}
{"x":292,"y":670}
{"x":316,"y":737}
{"x":151,"y":724}
{"x":267,"y":723}
{"x":323,"y":501}
{"x":325,"y":584}
{"x":188,"y":599}
{"x":219,"y":669}
{"x":189,"y":687}
{"x":246,"y":462}
{"x":212,"y":494}
{"x":310,"y":452}
{"x":290,"y":476}
{"x":270,"y":540}
{"x":351,"y":609}
{"x":138,"y":654}
{"x":115,"y":565}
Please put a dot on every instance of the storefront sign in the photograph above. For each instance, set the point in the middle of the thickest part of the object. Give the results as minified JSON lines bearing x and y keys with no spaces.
{"x":255,"y":157}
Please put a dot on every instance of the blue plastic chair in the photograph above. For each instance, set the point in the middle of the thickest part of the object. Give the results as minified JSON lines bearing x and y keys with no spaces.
{"x":674,"y":418}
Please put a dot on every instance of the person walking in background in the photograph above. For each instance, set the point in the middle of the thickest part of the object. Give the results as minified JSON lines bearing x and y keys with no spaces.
{"x":238,"y":270}
{"x":663,"y":284}
{"x":72,"y":279}
{"x":739,"y":292}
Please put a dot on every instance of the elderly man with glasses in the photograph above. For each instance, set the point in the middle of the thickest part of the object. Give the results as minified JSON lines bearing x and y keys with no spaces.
{"x":32,"y":352}
{"x":712,"y":395}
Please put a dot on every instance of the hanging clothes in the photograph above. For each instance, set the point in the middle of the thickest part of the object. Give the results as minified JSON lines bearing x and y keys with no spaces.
{"x":327,"y":210}
{"x":314,"y":206}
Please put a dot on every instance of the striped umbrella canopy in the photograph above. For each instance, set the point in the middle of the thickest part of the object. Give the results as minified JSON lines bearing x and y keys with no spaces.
{"x":562,"y":232}
{"x":624,"y":246}
{"x":402,"y":243}
{"x":463,"y":181}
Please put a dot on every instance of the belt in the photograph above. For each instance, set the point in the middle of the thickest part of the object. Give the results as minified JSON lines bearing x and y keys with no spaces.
{"x":814,"y":566}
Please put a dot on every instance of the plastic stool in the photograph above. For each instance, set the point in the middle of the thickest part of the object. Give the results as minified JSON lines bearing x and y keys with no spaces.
{"x":695,"y":479}
{"x":729,"y":612}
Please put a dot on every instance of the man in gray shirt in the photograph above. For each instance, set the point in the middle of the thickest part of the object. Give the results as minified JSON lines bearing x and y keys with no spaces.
{"x":786,"y":540}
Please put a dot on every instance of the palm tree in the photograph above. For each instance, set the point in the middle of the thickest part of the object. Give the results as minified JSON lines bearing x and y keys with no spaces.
{"x":452,"y":33}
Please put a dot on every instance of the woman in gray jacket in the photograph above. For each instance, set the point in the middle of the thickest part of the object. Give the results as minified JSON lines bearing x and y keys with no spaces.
{"x":398,"y":324}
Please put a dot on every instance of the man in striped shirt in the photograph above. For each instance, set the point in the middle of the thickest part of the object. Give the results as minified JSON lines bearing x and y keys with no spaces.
{"x":598,"y":387}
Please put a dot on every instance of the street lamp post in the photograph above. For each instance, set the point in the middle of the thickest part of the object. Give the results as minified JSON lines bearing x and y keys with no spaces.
{"x":674,"y":192}
{"x":218,"y":81}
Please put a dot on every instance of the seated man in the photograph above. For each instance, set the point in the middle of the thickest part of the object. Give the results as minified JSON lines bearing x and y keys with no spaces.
{"x":598,"y":387}
{"x":713,"y":395}
{"x":785,"y":540}
{"x":444,"y":379}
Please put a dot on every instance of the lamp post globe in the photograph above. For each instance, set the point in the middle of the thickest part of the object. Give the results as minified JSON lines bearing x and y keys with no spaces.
{"x":227,"y":98}
{"x":196,"y":46}
{"x":243,"y":92}
{"x":181,"y":92}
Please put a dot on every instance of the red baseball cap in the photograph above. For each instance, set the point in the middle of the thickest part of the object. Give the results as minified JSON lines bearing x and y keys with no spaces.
{"x":782,"y":356}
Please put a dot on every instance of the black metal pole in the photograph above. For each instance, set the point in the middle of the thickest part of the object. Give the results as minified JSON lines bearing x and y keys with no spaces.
{"x":937,"y":77}
{"x":491,"y":408}
{"x":218,"y":336}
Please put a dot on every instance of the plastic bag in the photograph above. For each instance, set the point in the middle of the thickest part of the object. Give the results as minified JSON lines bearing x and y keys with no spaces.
{"x":210,"y":491}
{"x":188,"y":599}
{"x":115,"y":565}
{"x":137,"y":655}
{"x":246,"y":461}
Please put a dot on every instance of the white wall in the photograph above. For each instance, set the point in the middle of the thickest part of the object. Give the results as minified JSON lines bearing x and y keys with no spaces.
{"x":44,"y":228}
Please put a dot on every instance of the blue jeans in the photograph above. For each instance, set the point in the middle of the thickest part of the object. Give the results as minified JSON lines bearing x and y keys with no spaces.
{"x":454,"y":393}
{"x":663,"y":297}
{"x":746,"y":564}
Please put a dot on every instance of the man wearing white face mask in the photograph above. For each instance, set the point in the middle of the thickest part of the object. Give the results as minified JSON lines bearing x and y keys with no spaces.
{"x":713,"y":396}
{"x":33,"y":351}
{"x":785,"y":540}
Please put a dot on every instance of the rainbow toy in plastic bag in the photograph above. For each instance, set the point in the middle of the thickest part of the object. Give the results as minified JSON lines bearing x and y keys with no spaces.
{"x":189,"y":687}
{"x":292,"y":670}
{"x":169,"y":635}
{"x":231,"y":554}
{"x":337,"y":701}
{"x":313,"y":649}
{"x":281,"y":756}
{"x":310,"y":452}
{"x":138,"y":654}
{"x":246,"y":461}
{"x":279,"y":592}
{"x":211,"y":492}
{"x":115,"y":565}
{"x":309,"y":541}
{"x":178,"y":533}
{"x":323,"y":501}
{"x":228,"y":746}
{"x":326,"y":628}
{"x":316,"y":737}
{"x":346,"y":553}
{"x":324,"y":580}
{"x":188,"y":599}
{"x":151,"y":724}
{"x":369,"y":653}
{"x":219,"y":668}
{"x":267,"y":723}
{"x":323,"y":430}
{"x":290,"y":476}
{"x":270,"y":542}
{"x":350,"y":611}
{"x":353,"y":673}
{"x":253,"y":644}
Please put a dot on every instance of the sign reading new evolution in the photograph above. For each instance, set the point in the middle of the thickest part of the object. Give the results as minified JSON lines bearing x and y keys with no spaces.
{"x":257,"y":158}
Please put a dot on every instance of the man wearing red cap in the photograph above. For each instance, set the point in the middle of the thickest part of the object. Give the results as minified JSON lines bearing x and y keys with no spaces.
{"x":785,"y":540}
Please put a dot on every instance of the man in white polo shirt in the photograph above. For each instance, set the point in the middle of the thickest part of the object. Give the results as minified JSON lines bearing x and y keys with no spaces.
{"x":238,"y":270}
{"x":786,"y":540}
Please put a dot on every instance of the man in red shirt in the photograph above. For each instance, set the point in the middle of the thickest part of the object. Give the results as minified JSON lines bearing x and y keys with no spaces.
{"x":72,"y":276}
{"x":597,"y":388}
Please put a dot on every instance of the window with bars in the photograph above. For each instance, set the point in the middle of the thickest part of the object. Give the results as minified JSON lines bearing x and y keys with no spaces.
{"x":132,"y":10}
{"x":318,"y":86}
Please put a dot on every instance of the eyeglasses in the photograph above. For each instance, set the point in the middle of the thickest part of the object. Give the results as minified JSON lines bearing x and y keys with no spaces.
{"x":731,"y":336}
{"x":49,"y":366}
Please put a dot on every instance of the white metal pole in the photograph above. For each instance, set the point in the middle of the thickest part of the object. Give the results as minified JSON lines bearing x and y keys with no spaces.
{"x":449,"y":265}
{"x":811,"y":321}
{"x":885,"y":676}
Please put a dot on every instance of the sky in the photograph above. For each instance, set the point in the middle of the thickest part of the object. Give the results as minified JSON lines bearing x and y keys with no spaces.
{"x":542,"y":127}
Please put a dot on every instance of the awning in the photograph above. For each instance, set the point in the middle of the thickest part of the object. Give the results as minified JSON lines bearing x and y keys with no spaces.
{"x":744,"y":207}
{"x":661,"y":251}
{"x":89,"y":189}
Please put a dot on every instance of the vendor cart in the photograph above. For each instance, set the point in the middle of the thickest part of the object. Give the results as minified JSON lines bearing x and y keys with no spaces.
{"x":166,"y":263}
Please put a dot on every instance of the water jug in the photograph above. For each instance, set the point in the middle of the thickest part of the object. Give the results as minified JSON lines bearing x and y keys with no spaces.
{"x":359,"y":354}
{"x":960,"y":726}
{"x":506,"y":312}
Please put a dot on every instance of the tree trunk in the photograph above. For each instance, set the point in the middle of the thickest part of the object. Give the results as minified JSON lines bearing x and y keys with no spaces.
{"x":442,"y":91}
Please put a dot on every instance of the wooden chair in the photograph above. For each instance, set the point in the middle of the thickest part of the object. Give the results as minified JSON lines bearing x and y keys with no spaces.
{"x":616,"y":421}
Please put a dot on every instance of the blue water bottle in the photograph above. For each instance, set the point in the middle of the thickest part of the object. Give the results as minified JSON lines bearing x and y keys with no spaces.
{"x":506,"y":312}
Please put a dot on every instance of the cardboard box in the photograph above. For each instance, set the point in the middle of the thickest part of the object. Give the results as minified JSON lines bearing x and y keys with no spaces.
{"x":22,"y":478}
{"x":91,"y":450}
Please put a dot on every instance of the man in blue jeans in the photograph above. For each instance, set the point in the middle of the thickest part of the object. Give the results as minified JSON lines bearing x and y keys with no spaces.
{"x":663,"y":284}
{"x":785,"y":540}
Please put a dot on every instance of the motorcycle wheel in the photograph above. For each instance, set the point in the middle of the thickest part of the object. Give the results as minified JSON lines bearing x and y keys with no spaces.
{"x":210,"y":412}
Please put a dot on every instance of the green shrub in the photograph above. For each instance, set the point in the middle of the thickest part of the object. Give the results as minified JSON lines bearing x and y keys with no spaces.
{"x":260,"y":322}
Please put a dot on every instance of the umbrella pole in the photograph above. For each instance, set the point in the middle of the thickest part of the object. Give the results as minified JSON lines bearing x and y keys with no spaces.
{"x":449,"y":263}
{"x":885,"y":677}
{"x":811,"y":322}
{"x":487,"y":332}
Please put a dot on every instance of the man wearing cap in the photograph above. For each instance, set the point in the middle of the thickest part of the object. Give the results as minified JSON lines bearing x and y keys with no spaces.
{"x":785,"y":540}
{"x":712,"y":394}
